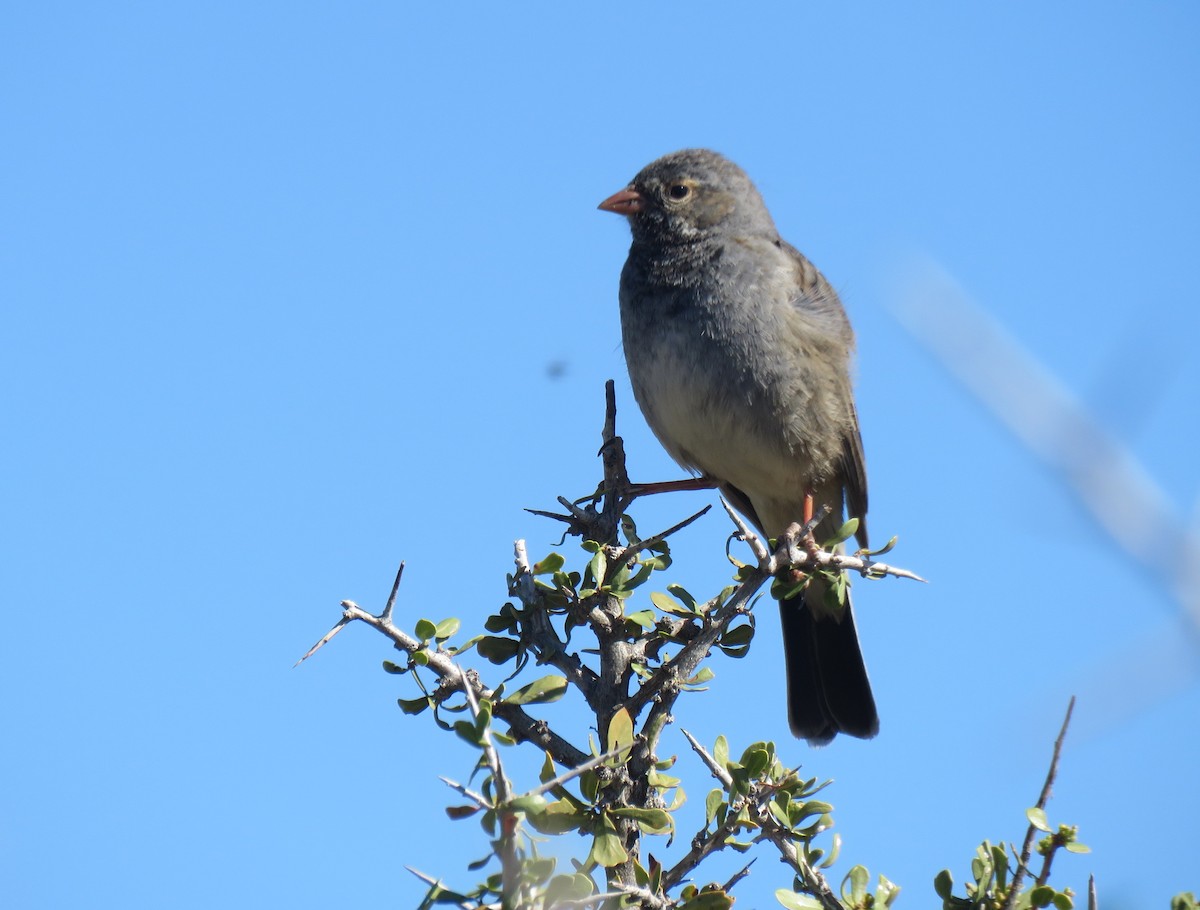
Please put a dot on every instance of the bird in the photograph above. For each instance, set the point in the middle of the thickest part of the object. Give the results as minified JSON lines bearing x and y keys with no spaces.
{"x":739,"y":354}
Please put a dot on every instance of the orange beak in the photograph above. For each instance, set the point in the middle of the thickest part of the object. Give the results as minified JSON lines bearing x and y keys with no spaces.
{"x":625,"y":202}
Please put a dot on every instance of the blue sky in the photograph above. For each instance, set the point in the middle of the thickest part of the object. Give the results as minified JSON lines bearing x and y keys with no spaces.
{"x":282,"y":289}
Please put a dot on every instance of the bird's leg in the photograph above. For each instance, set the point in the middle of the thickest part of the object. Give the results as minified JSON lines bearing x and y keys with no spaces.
{"x":808,"y":541}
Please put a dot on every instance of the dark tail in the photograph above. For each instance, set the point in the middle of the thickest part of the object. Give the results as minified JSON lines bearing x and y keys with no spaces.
{"x":828,"y":689}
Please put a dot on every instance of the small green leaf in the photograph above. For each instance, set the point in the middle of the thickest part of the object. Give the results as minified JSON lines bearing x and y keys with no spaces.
{"x":703,"y":676}
{"x":389,"y":667}
{"x":1037,"y":818}
{"x":466,"y":730}
{"x":496,"y":649}
{"x":557,"y":818}
{"x":1062,"y":901}
{"x":547,"y":773}
{"x":667,"y":605}
{"x":714,"y":801}
{"x":755,"y":761}
{"x":425,"y":629}
{"x":859,"y":878}
{"x":834,"y":851}
{"x":794,"y":901}
{"x":620,"y":734}
{"x":1076,"y":847}
{"x":652,"y":821}
{"x":598,"y":566}
{"x":531,"y":804}
{"x":457,"y":812}
{"x":446,"y":628}
{"x":1041,"y":896}
{"x":683,"y":595}
{"x":540,"y":691}
{"x":845,"y":532}
{"x":643,"y":618}
{"x":943,"y":885}
{"x":549,"y":565}
{"x":721,"y":751}
{"x":607,"y":850}
{"x":414,"y":705}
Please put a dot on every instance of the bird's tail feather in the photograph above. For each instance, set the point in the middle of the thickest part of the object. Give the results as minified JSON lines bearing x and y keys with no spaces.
{"x":828,"y":688}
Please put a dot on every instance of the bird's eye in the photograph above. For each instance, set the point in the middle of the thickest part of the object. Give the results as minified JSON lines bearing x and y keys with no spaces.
{"x":679,"y":191}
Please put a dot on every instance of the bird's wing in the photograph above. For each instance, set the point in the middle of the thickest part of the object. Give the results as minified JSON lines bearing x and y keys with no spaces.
{"x":822,"y":305}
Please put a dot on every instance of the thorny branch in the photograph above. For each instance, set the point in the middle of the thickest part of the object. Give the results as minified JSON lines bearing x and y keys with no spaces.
{"x":607,"y":691}
{"x":770,"y":829}
{"x":1043,"y":798}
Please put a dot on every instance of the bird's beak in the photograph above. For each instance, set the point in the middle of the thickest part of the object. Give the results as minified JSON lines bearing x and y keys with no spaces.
{"x":625,"y":202}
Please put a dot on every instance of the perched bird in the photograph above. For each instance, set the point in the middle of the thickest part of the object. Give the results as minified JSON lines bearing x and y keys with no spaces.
{"x":739,"y":353}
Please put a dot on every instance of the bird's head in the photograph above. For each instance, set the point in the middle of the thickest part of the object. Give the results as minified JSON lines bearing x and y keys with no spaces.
{"x":690,"y":195}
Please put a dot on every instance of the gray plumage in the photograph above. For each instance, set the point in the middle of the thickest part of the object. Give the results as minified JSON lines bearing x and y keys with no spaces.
{"x":739,"y":355}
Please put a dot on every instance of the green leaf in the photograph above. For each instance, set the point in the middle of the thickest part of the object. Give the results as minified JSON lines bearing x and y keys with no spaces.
{"x":721,"y":751}
{"x":414,"y":705}
{"x":466,"y":730}
{"x":425,"y":629}
{"x":496,"y":649}
{"x":794,"y":901}
{"x":446,"y":628}
{"x":683,"y":595}
{"x":859,"y":878}
{"x":1041,"y":896}
{"x":1062,"y":901}
{"x":457,"y":812}
{"x":703,"y":676}
{"x":1037,"y":818}
{"x":547,"y":773}
{"x":389,"y":667}
{"x":589,"y":785}
{"x":652,"y":821}
{"x":568,"y":888}
{"x":711,"y":898}
{"x":531,"y":804}
{"x":620,"y":734}
{"x":755,"y":759}
{"x":549,"y":565}
{"x":643,"y":618}
{"x":558,"y":817}
{"x":845,"y":532}
{"x":1076,"y":847}
{"x":943,"y":885}
{"x":714,"y":801}
{"x":598,"y":566}
{"x":834,"y":851}
{"x":607,"y":850}
{"x":540,"y":691}
{"x":667,"y":605}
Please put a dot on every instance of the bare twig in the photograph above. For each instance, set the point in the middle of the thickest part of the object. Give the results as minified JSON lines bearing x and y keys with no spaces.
{"x":738,"y":876}
{"x":577,"y":770}
{"x":769,"y":830}
{"x":437,"y":883}
{"x":720,"y":772}
{"x":757,"y":546}
{"x":440,"y":663}
{"x":655,"y":540}
{"x":477,"y":798}
{"x":1043,"y":798}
